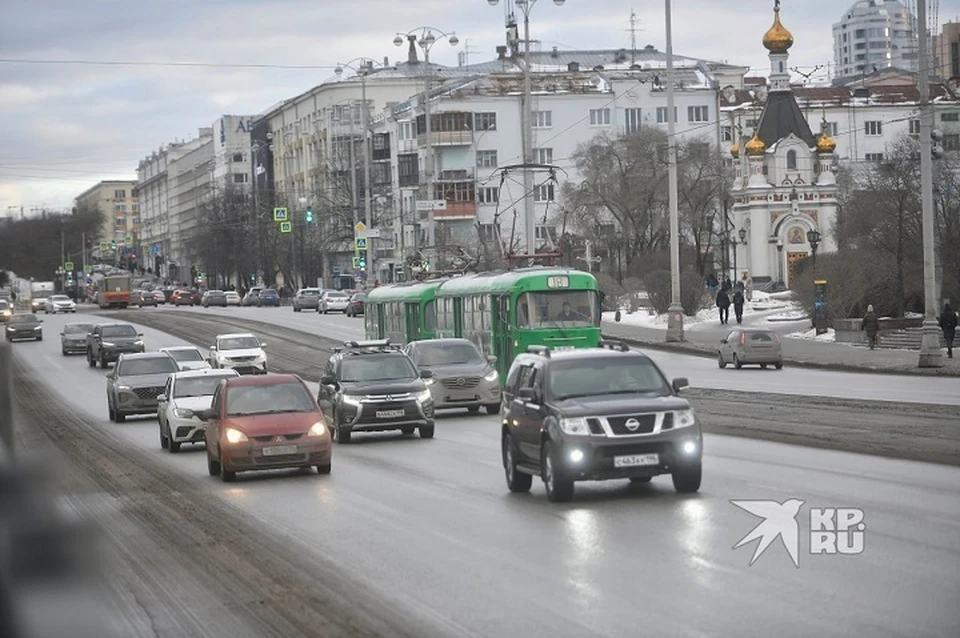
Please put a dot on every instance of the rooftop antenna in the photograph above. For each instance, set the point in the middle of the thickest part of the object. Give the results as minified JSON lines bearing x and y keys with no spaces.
{"x":633,"y":35}
{"x":465,"y":54}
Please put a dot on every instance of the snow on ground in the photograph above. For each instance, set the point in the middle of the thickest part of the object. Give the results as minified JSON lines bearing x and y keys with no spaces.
{"x":811,"y":335}
{"x":761,"y":304}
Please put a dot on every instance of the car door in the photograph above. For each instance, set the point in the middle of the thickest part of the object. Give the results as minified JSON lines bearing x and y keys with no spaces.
{"x":213,"y":423}
{"x":727,"y":345}
{"x":162,"y":405}
{"x":325,"y":393}
{"x":523,"y":413}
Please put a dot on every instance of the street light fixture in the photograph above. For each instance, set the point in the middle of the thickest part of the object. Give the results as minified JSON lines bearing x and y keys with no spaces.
{"x":526,"y":125}
{"x":426,"y":40}
{"x":743,"y":236}
{"x":780,"y":259}
{"x":813,"y":238}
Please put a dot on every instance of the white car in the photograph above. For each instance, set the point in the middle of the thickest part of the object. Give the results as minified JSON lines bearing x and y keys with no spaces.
{"x":59,"y":303}
{"x":243,"y":352}
{"x":233,"y":297}
{"x":186,"y":394}
{"x":333,"y":300}
{"x":187,"y":357}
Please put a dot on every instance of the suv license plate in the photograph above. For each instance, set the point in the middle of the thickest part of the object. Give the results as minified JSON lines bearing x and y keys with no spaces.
{"x":635,"y":460}
{"x":389,"y":414}
{"x":279,"y":450}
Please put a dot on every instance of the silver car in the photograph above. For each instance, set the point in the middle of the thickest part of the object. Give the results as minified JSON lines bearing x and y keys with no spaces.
{"x":135,"y":383}
{"x":73,"y":339}
{"x":750,"y":346}
{"x":462,"y":376}
{"x":306,"y":298}
{"x":187,"y":357}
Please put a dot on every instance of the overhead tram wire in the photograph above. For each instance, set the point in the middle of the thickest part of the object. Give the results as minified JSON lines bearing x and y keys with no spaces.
{"x":146,"y":63}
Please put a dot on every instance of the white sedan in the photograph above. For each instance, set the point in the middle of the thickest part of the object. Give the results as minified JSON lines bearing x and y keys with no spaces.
{"x":59,"y":303}
{"x":233,"y":298}
{"x":184,"y":396}
{"x":333,"y":300}
{"x":187,"y":357}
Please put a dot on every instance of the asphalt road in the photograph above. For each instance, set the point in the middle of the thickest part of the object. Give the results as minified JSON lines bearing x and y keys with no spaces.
{"x":702,"y":372}
{"x":427,"y":530}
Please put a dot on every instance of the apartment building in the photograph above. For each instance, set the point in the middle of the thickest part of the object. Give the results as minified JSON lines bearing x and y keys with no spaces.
{"x":873,"y":35}
{"x":118,"y":201}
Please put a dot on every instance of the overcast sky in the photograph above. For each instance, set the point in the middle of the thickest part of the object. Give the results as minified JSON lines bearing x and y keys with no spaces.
{"x":65,"y":126}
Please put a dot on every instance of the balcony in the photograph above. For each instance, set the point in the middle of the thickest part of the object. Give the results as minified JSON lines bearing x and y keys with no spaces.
{"x":447,"y":138}
{"x":457,"y":210}
{"x":449,"y":128}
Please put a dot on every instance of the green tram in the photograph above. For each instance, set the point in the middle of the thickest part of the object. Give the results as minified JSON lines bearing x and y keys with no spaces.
{"x":503,"y":312}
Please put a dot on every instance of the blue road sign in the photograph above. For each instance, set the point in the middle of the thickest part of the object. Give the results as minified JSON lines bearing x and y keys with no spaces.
{"x":336,"y":270}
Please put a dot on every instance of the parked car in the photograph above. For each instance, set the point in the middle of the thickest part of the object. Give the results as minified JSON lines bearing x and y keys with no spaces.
{"x":6,"y":310}
{"x":243,"y":352}
{"x":108,"y":341}
{"x":250,"y":299}
{"x":264,"y":423}
{"x":750,"y":346}
{"x":306,"y":298}
{"x":596,"y":414}
{"x":214,"y":298}
{"x":135,"y":383}
{"x":24,"y":326}
{"x":58,"y":303}
{"x":355,"y":305}
{"x":73,"y":339}
{"x":187,"y":357}
{"x":268,"y":297}
{"x":186,"y":394}
{"x":232,"y":297}
{"x":334,"y":300}
{"x":160,"y":297}
{"x":144,"y":298}
{"x":462,"y":376}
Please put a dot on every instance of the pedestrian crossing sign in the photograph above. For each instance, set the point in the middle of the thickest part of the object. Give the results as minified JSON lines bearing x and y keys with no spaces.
{"x":286,"y":227}
{"x":360,"y":243}
{"x":280,"y":215}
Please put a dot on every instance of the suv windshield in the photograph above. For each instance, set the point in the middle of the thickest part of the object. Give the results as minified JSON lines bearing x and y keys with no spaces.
{"x":78,"y":328}
{"x":185,"y":355}
{"x":607,"y":375}
{"x":152,"y":365}
{"x":197,"y":386}
{"x":437,"y":354}
{"x":238,"y":343}
{"x":119,"y":331}
{"x":372,"y":367}
{"x":269,"y":399}
{"x":560,"y":309}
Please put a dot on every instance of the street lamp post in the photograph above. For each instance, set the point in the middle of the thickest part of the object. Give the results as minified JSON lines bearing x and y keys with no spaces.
{"x":675,"y":311}
{"x":780,"y":260}
{"x":426,"y":40}
{"x":742,"y":234}
{"x":813,"y":238}
{"x":526,"y":124}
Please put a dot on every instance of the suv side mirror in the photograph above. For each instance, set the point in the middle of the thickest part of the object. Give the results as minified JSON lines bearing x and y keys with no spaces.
{"x":492,"y":358}
{"x":527,"y":394}
{"x":327,"y":379}
{"x":263,"y":344}
{"x":680,"y":383}
{"x":426,"y":374}
{"x":111,"y":376}
{"x":206,"y":415}
{"x":161,"y":398}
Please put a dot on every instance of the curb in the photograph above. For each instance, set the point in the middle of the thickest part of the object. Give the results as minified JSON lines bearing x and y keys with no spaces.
{"x":698,"y":350}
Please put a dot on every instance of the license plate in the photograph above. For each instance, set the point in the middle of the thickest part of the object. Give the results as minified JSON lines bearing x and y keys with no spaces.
{"x":279,"y":450}
{"x":635,"y":460}
{"x":562,"y":348}
{"x":389,"y":414}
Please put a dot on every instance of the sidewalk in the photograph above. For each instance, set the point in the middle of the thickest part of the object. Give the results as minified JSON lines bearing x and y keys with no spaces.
{"x":797,"y":352}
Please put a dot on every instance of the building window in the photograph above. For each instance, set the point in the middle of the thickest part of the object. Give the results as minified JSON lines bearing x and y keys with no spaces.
{"x":120,"y":194}
{"x":408,"y":130}
{"x":698,"y":113}
{"x":874,"y":157}
{"x":239,"y":178}
{"x":238,"y":157}
{"x":488,"y":195}
{"x":544,"y":193}
{"x":487,"y":232}
{"x":599,"y":117}
{"x":951,"y":142}
{"x":791,"y":160}
{"x":120,"y":208}
{"x":484,"y":121}
{"x":631,"y":120}
{"x":408,"y":171}
{"x":832,"y":129}
{"x":662,"y":114}
{"x":487,"y":159}
{"x":135,"y":222}
{"x":914,"y":127}
{"x":135,"y":208}
{"x":543,"y":233}
{"x":726,"y":133}
{"x":543,"y":155}
{"x":380,"y":142}
{"x":457,"y":192}
{"x":542,"y":119}
{"x":874,"y":128}
{"x":120,"y":222}
{"x":950,"y":117}
{"x":381,"y":173}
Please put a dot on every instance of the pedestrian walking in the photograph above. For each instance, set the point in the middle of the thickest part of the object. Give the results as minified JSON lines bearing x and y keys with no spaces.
{"x":948,"y":323}
{"x":871,"y":325}
{"x":727,"y":285}
{"x":723,"y":303}
{"x":738,"y":301}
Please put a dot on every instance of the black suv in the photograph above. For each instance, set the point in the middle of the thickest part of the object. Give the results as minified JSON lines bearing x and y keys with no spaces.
{"x":596,"y":414}
{"x":373,"y":386}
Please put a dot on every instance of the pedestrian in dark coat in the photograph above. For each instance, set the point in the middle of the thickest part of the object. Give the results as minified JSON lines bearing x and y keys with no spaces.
{"x":727,"y":285}
{"x":723,"y":303}
{"x":871,"y":325}
{"x":738,"y":301}
{"x":948,"y":323}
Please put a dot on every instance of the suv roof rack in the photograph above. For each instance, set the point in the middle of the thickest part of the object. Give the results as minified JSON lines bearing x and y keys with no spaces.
{"x":367,"y":347}
{"x":610,"y":344}
{"x":375,"y":343}
{"x":541,"y":350}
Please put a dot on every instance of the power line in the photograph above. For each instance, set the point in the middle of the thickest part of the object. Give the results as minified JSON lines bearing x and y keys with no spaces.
{"x":214,"y":65}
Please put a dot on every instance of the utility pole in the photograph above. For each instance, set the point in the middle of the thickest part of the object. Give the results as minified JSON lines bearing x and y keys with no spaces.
{"x":930,"y":354}
{"x":353,"y":181}
{"x":526,"y":122}
{"x":675,"y":311}
{"x":82,"y":285}
{"x":428,"y":164}
{"x":367,"y":205}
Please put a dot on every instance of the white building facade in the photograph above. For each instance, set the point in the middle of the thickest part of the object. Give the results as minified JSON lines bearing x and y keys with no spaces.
{"x":875,"y":34}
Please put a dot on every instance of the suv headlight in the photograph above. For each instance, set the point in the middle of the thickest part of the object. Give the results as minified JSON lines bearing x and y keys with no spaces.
{"x":684,"y":418}
{"x":492,"y":376}
{"x":352,"y":399}
{"x":182,"y":413}
{"x":123,"y":388}
{"x":423,"y":396}
{"x":318,"y":429}
{"x":575,"y":427}
{"x":235,"y":436}
{"x":138,"y":343}
{"x":107,"y":344}
{"x":38,"y":327}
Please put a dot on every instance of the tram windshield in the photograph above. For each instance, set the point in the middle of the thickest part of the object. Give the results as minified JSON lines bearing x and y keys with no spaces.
{"x":566,"y":309}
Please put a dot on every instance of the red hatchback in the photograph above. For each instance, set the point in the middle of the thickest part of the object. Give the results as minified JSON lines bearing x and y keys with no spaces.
{"x":265,"y":423}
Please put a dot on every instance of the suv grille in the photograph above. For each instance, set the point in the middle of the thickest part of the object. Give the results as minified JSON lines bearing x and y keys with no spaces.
{"x":148,"y":393}
{"x":644,"y":424}
{"x":460,"y":383}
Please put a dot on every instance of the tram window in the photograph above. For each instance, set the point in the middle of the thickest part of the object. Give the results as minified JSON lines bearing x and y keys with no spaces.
{"x":567,"y":308}
{"x":430,"y":316}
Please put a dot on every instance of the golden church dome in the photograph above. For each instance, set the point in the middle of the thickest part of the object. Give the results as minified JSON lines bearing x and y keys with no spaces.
{"x":756,"y":146}
{"x":735,"y":149}
{"x":777,"y":39}
{"x":826,"y":144}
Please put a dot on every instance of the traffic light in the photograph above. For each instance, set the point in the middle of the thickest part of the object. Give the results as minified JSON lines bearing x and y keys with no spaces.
{"x":936,"y":147}
{"x":113,"y":245}
{"x":89,"y":242}
{"x":309,"y":215}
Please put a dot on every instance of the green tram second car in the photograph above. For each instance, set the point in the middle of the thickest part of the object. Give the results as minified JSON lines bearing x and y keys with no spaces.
{"x":503,"y":312}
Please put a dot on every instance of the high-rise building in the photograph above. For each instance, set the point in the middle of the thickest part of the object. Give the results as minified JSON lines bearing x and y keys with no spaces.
{"x":117,"y":200}
{"x":946,"y":51}
{"x":875,"y":34}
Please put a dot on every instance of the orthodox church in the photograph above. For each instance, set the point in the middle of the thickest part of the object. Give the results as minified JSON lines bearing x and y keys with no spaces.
{"x":785,"y":191}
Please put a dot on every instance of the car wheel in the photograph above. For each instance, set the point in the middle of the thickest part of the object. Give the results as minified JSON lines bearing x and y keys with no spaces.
{"x":213,"y":467}
{"x":559,"y":488}
{"x":39,"y":338}
{"x":473,"y":409}
{"x":121,"y":417}
{"x":427,"y":431}
{"x":63,"y":351}
{"x":408,"y":430}
{"x":90,"y":360}
{"x":326,"y":312}
{"x":493,"y":408}
{"x":720,"y":362}
{"x":226,"y":475}
{"x":164,"y":441}
{"x":103,"y":361}
{"x":763,"y":366}
{"x":110,"y":413}
{"x":640,"y":479}
{"x":778,"y":366}
{"x":686,"y":478}
{"x":516,"y":481}
{"x":736,"y":362}
{"x":174,"y":446}
{"x":325,"y":468}
{"x":340,"y":435}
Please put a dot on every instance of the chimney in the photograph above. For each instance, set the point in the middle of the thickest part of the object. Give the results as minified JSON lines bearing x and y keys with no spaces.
{"x":573,"y":66}
{"x":412,"y":51}
{"x":386,"y":61}
{"x":501,"y":52}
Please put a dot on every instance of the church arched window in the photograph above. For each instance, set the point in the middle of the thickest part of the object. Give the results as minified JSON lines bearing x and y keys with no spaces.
{"x":781,"y":67}
{"x":791,"y":160}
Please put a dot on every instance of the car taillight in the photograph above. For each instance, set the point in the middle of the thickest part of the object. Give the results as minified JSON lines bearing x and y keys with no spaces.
{"x":743,"y":338}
